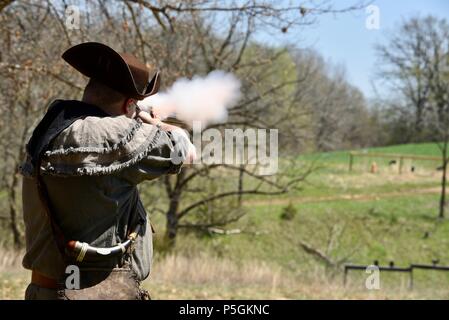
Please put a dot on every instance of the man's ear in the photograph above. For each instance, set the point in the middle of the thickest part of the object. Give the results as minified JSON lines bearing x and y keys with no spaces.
{"x":126,"y":105}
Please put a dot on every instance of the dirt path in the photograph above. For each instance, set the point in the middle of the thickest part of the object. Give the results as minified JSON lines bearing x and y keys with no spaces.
{"x":343,"y":197}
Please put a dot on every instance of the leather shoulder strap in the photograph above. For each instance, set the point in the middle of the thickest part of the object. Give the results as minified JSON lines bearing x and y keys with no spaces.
{"x":58,"y":235}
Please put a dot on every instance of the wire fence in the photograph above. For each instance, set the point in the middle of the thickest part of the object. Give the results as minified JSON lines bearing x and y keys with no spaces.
{"x":391,"y":268}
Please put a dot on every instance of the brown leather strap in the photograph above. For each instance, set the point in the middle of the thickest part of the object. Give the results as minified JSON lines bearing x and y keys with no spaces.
{"x":42,"y":281}
{"x":46,"y":203}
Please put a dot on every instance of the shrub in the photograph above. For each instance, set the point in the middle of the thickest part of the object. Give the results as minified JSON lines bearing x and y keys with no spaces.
{"x":289,"y":212}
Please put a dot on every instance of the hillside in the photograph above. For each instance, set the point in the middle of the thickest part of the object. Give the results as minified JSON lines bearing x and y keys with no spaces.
{"x":343,"y":217}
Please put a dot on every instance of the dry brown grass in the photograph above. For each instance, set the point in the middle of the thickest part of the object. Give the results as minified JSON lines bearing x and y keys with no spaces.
{"x":203,"y":269}
{"x":204,"y":277}
{"x":365,"y":179}
{"x":10,"y":259}
{"x":13,"y":278}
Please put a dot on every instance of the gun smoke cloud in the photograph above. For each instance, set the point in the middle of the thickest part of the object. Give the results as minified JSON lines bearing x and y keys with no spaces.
{"x":205,"y":99}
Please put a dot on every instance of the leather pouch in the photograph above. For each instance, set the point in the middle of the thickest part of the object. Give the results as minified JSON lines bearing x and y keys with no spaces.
{"x":106,"y":284}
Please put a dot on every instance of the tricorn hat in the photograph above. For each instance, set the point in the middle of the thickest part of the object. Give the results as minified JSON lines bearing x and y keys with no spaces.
{"x":120,"y":71}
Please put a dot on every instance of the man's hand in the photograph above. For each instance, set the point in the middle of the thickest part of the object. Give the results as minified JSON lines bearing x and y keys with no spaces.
{"x":147,"y":118}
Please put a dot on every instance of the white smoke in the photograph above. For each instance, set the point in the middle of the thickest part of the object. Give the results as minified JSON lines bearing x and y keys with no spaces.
{"x":204,"y":99}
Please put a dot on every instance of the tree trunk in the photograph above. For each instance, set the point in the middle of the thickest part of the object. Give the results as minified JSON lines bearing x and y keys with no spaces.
{"x":240,"y":186}
{"x":418,"y":120}
{"x":443,"y":182}
{"x":17,"y":236}
{"x":172,"y":219}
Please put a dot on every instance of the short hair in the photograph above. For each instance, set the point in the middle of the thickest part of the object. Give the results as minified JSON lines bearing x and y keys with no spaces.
{"x":103,"y":94}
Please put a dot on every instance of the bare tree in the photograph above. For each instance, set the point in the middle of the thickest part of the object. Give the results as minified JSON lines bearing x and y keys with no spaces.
{"x":418,"y":58}
{"x":438,"y":76}
{"x":405,"y":67}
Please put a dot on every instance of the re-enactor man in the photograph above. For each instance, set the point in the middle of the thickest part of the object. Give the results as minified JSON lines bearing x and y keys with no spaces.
{"x":85,"y":158}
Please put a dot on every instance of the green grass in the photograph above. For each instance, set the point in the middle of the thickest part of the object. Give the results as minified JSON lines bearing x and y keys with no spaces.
{"x":386,"y":229}
{"x":394,"y":218}
{"x":424,"y":149}
{"x":401,"y":229}
{"x":421,"y":149}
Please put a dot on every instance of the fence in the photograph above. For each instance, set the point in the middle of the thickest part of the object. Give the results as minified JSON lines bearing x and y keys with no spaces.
{"x":398,"y":157}
{"x":393,"y":268}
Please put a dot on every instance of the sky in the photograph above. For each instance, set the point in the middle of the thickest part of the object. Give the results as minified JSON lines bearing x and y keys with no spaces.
{"x":343,"y":39}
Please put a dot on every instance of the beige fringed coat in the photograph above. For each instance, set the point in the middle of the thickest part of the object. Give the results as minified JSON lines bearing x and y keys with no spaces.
{"x":92,"y":170}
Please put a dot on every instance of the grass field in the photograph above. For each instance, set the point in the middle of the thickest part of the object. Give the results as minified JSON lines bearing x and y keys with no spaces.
{"x":345,"y":217}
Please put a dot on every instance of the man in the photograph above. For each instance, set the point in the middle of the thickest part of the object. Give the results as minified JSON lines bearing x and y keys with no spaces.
{"x":84,"y":161}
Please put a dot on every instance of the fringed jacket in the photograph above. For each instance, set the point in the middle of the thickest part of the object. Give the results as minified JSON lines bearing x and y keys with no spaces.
{"x":91,"y":171}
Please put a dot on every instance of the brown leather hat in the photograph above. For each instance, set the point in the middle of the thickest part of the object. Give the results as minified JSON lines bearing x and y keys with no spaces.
{"x":122,"y":72}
